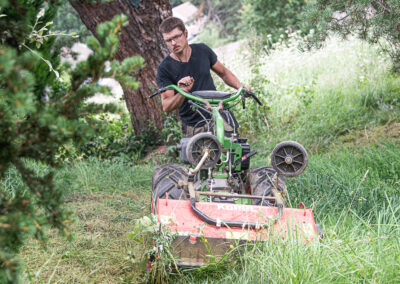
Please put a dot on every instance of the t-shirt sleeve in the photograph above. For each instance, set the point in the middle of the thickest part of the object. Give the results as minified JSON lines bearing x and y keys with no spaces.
{"x":163,"y":79}
{"x":210,"y":54}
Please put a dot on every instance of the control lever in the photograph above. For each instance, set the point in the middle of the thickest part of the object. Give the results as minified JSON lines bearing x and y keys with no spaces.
{"x":159,"y":91}
{"x":256,"y":99}
{"x":251,"y":94}
{"x":244,"y":158}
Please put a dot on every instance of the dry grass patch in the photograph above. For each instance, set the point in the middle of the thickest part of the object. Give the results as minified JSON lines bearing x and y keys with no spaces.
{"x":99,"y":250}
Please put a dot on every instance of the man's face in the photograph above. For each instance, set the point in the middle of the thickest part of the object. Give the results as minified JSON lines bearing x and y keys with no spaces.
{"x":176,"y":40}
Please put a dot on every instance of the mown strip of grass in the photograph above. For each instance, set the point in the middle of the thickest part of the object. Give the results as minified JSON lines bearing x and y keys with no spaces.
{"x":106,"y":198}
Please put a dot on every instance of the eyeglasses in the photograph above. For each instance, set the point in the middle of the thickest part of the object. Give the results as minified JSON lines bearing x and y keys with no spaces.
{"x":175,"y":38}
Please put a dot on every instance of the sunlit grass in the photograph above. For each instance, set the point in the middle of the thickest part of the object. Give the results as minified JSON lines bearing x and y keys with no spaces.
{"x":314,"y":97}
{"x":356,"y":251}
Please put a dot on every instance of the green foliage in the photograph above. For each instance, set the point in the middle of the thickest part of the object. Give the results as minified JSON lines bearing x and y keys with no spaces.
{"x":211,"y":35}
{"x":175,"y":3}
{"x":171,"y":135}
{"x":156,"y":240}
{"x":258,"y":84}
{"x":367,"y":176}
{"x":373,"y":21}
{"x":67,"y":20}
{"x":114,"y":138}
{"x":269,"y":17}
{"x":316,"y":96}
{"x":225,"y":17}
{"x":171,"y":131}
{"x":39,"y":113}
{"x":111,"y":138}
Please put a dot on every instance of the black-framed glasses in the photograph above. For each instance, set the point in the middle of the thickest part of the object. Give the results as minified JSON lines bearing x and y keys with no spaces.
{"x":175,"y":38}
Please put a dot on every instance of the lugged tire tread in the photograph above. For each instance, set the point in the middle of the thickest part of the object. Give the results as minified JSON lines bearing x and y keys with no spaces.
{"x":260,"y":180}
{"x":165,"y":180}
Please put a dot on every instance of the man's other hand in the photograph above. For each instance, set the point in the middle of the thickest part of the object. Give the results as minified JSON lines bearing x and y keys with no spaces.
{"x":248,"y":89}
{"x":186,"y":83}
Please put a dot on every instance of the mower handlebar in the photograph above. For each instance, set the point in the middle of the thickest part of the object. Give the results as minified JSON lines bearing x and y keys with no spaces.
{"x":240,"y":92}
{"x":253,"y":96}
{"x":159,"y":91}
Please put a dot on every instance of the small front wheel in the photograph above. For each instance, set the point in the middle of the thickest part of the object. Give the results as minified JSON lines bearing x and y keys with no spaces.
{"x":198,"y":145}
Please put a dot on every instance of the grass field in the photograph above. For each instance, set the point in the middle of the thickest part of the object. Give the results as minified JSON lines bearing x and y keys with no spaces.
{"x":106,"y":199}
{"x":360,"y":217}
{"x":342,"y":103}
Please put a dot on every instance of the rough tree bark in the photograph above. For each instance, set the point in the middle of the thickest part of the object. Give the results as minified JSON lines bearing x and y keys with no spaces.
{"x":142,"y":38}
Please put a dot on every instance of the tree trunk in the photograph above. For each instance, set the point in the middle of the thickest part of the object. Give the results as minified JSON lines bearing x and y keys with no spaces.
{"x":141,"y":38}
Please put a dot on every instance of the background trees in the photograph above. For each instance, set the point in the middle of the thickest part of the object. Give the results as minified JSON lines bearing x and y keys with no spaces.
{"x":271,"y":17}
{"x":373,"y":21}
{"x":140,"y":37}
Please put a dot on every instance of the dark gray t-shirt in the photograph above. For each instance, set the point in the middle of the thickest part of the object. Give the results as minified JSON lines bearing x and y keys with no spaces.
{"x":170,"y":71}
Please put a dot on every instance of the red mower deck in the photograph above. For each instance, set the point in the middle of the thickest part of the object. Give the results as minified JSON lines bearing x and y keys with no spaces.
{"x":198,"y":241}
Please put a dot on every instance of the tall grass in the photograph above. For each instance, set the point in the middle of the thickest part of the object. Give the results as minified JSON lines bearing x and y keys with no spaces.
{"x":362,"y":251}
{"x":354,"y":194}
{"x":92,"y":175}
{"x":316,"y":96}
{"x":369,"y":176}
{"x":96,"y":175}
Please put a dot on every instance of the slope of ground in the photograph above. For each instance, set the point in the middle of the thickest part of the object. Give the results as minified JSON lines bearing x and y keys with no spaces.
{"x":342,"y":103}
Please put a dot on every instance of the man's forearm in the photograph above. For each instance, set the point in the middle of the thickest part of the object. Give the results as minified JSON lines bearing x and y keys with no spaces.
{"x":231,"y":80}
{"x":171,"y":102}
{"x":226,"y":75}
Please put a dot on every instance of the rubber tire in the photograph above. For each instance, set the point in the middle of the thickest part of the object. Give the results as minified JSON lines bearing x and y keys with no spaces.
{"x":299,"y":148}
{"x":191,"y":144}
{"x":166,"y":179}
{"x":260,"y":181}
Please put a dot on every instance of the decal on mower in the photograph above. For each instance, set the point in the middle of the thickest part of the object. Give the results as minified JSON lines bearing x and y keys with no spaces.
{"x":235,"y":207}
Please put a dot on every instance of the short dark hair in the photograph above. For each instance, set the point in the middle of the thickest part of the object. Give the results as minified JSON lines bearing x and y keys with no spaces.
{"x":171,"y":23}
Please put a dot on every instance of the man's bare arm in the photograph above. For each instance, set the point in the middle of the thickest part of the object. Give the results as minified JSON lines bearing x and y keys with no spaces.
{"x":171,"y":101}
{"x":226,"y":75}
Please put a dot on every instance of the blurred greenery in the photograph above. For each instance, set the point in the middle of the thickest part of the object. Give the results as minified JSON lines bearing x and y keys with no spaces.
{"x":68,"y":20}
{"x":269,"y":17}
{"x":372,"y":21}
{"x":39,"y":112}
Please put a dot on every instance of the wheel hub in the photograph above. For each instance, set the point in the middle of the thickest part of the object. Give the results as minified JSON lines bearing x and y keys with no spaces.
{"x":288,"y":160}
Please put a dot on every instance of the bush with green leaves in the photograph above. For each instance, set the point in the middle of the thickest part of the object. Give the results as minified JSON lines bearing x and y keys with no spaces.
{"x":211,"y":35}
{"x":39,"y":113}
{"x":114,"y":137}
{"x":269,"y":17}
{"x":373,"y":21}
{"x":225,"y":17}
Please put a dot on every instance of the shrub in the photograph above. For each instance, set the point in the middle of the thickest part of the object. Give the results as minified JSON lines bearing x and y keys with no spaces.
{"x":39,"y":113}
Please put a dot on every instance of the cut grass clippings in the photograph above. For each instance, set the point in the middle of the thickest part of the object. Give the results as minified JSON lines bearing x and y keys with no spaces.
{"x":100,"y":251}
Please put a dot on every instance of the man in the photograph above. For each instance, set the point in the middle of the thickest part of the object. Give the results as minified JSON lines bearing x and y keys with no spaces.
{"x":188,"y":66}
